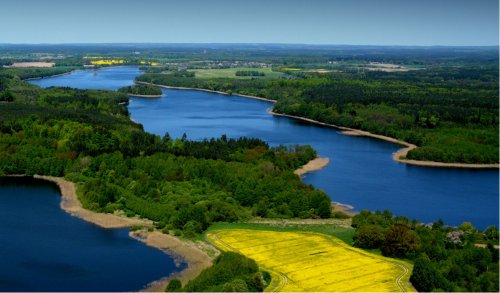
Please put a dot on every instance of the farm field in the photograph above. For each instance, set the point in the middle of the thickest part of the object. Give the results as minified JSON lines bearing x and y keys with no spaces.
{"x":313,"y":262}
{"x":231,"y":73}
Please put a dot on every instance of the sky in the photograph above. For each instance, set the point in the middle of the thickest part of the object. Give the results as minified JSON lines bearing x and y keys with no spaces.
{"x":351,"y":22}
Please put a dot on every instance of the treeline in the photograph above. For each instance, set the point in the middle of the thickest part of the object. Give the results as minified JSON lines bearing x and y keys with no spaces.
{"x":450,"y":113}
{"x":184,"y":186}
{"x":446,"y":258}
{"x":141,"y":89}
{"x":231,"y":272}
{"x":249,"y":73}
{"x":36,"y":72}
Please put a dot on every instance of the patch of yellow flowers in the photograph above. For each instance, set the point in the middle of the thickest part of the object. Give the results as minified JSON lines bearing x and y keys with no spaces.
{"x":107,"y":62}
{"x":313,"y":262}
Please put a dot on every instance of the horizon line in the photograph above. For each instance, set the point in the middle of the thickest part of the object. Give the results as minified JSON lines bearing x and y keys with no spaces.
{"x":242,"y":43}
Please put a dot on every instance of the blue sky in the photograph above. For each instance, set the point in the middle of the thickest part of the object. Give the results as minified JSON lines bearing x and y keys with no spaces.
{"x":355,"y":22}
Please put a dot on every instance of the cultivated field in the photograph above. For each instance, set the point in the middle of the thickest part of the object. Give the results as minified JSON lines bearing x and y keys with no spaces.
{"x":313,"y":262}
{"x":231,"y":73}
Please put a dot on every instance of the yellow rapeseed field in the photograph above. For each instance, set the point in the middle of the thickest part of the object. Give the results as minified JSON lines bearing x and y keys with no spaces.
{"x":107,"y":62}
{"x":313,"y":262}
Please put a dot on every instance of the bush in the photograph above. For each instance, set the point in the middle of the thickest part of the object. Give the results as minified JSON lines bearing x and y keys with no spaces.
{"x":174,"y":285}
{"x":369,"y":236}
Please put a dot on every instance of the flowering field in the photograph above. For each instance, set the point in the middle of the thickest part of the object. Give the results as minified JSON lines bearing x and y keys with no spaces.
{"x":301,"y":261}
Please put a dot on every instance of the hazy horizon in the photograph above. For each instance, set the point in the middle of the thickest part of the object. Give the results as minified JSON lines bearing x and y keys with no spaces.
{"x":319,"y":22}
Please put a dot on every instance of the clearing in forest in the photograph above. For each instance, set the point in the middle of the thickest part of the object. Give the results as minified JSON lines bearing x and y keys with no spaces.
{"x":313,"y":262}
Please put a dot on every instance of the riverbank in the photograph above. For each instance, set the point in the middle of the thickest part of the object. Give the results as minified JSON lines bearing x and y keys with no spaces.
{"x":197,"y":259}
{"x":312,"y":165}
{"x":49,"y":76}
{"x":398,"y":156}
{"x":205,"y":90}
{"x":145,"y":96}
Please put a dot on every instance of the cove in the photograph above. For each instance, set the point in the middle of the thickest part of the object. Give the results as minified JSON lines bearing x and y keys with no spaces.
{"x":361,"y":172}
{"x":43,"y":248}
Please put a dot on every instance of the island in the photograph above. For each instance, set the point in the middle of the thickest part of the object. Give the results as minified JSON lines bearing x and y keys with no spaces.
{"x":141,"y":90}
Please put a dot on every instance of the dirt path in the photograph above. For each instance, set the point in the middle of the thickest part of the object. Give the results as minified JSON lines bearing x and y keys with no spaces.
{"x":399,"y":279}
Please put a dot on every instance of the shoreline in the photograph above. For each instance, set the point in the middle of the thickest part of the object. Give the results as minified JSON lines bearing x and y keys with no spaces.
{"x":145,"y":96}
{"x":311,"y":166}
{"x":396,"y":156}
{"x":205,"y":90}
{"x":49,"y":76}
{"x":196,"y":258}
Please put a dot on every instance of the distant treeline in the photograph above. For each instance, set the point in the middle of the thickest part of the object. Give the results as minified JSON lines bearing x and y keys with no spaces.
{"x":249,"y":73}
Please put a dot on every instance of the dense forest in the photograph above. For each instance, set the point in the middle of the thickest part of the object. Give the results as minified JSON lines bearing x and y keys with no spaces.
{"x":445,"y":258}
{"x":451,"y":113}
{"x":182,"y":185}
{"x":141,"y":89}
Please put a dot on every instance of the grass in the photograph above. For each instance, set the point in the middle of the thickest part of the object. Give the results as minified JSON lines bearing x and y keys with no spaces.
{"x":343,"y":233}
{"x":231,"y":73}
{"x":313,"y":262}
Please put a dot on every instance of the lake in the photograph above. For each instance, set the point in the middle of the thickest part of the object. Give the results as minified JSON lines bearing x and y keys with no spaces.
{"x":361,"y":172}
{"x":43,"y":248}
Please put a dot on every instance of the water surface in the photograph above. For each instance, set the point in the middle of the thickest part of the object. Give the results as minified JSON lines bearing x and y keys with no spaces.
{"x":43,"y":248}
{"x":361,"y":172}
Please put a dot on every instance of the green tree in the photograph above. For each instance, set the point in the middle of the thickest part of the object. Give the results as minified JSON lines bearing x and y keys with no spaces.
{"x":400,"y":240}
{"x":369,"y":236}
{"x":174,"y":285}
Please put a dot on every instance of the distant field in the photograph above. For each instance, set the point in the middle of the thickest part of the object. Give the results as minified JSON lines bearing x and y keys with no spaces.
{"x":231,"y":73}
{"x":313,"y":262}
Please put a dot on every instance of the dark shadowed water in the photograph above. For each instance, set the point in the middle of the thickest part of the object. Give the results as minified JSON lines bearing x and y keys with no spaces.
{"x":361,"y":172}
{"x":43,"y":248}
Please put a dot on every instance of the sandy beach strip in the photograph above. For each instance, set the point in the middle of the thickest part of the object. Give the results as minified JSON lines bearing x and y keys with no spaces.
{"x":145,"y":96}
{"x":312,"y":165}
{"x":196,"y":258}
{"x":398,"y":156}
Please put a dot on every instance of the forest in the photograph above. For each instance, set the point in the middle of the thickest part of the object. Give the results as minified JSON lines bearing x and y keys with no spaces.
{"x":445,"y":258}
{"x":141,"y":89}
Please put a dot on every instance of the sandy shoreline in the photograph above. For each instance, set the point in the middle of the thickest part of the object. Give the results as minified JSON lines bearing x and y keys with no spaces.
{"x":401,"y":153}
{"x":196,"y":258}
{"x":144,"y":96}
{"x":312,"y":165}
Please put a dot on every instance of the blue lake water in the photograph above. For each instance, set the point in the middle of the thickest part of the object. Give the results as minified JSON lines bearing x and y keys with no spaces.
{"x":43,"y":248}
{"x":361,"y":172}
